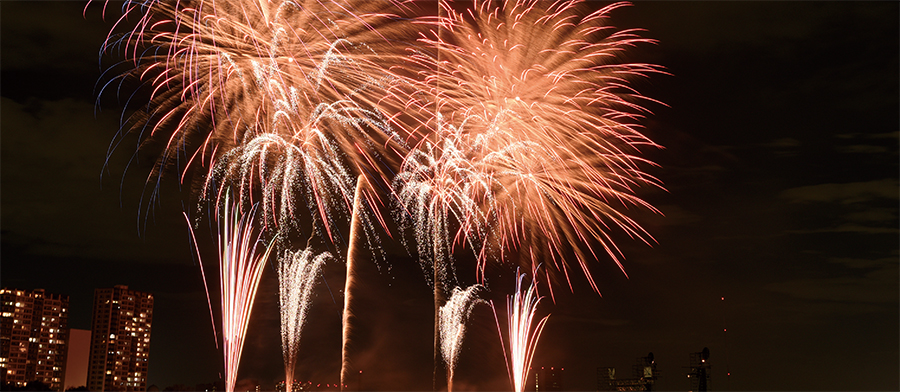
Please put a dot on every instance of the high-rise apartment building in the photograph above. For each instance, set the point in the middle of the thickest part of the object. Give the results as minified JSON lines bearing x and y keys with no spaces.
{"x":120,"y":340}
{"x":33,"y":337}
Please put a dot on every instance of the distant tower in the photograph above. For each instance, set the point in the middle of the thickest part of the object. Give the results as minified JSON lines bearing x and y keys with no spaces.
{"x":120,"y":340}
{"x":699,"y":371}
{"x":645,"y":371}
{"x":33,"y":337}
{"x":548,"y":379}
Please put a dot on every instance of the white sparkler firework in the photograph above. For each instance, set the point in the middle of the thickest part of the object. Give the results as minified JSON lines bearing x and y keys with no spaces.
{"x":440,"y":185}
{"x":293,"y":155}
{"x":454,"y":315}
{"x":523,"y":333}
{"x":297,"y":275}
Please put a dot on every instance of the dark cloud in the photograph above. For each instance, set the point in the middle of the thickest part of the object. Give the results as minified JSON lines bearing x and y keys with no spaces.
{"x":877,"y":286}
{"x":48,"y":37}
{"x":865,"y":263}
{"x":870,"y":136}
{"x":848,"y":193}
{"x":47,"y":180}
{"x":785,"y":142}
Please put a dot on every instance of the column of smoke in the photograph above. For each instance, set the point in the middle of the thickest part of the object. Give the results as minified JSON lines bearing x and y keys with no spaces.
{"x":355,"y":226}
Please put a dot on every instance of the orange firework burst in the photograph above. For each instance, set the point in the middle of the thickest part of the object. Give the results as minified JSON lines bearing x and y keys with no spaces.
{"x":223,"y":73}
{"x":542,"y":109}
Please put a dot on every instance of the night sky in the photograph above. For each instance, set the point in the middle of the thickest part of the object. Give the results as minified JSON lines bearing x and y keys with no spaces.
{"x":781,"y":171}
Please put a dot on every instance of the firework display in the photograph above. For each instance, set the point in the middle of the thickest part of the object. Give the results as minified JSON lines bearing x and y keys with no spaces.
{"x":522,"y":331}
{"x":536,"y":101}
{"x":272,"y":98}
{"x":240,"y":269}
{"x":297,"y":275}
{"x":507,"y":129}
{"x":454,"y":315}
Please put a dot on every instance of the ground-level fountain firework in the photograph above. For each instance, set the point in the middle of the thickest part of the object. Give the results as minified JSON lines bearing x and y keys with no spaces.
{"x":297,"y":275}
{"x":240,"y":268}
{"x":522,"y":331}
{"x":454,"y":315}
{"x":507,"y":130}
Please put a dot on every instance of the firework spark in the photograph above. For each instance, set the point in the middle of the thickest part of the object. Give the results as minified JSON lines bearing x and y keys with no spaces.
{"x":240,"y":269}
{"x":221,"y":73}
{"x":454,"y":315}
{"x":523,"y":333}
{"x":544,"y":117}
{"x":439,"y":188}
{"x":302,"y":159}
{"x":297,"y":275}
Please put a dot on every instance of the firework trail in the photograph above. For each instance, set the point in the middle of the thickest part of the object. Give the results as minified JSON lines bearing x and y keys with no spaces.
{"x":538,"y":98}
{"x":240,"y":269}
{"x":303,"y":160}
{"x":350,"y":282}
{"x":297,"y":274}
{"x":523,"y":333}
{"x":454,"y":315}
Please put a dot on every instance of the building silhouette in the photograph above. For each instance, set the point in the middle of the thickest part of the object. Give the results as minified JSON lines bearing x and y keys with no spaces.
{"x":120,"y":340}
{"x":548,"y":378}
{"x":699,"y":370}
{"x":33,"y":337}
{"x":644,"y":375}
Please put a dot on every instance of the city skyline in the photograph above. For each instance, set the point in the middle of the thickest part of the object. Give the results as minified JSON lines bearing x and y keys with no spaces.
{"x":780,"y":165}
